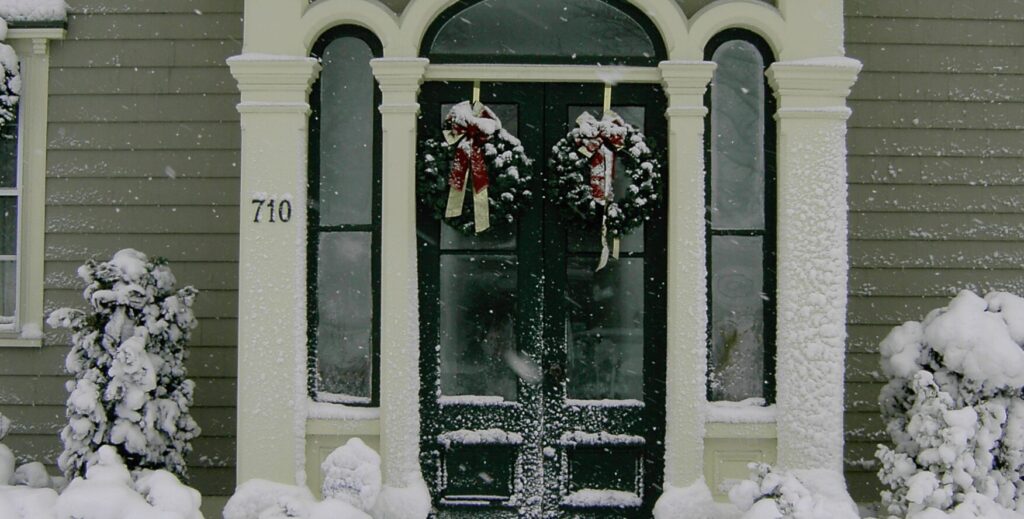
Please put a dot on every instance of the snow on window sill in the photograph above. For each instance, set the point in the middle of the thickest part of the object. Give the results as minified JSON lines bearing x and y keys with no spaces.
{"x":329,"y":411}
{"x":748,"y":418}
{"x":29,"y":336}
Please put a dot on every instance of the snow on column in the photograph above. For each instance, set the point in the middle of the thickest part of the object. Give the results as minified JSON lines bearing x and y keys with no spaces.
{"x":685,"y":83}
{"x":812,"y":258}
{"x":399,"y":80}
{"x":274,"y":112}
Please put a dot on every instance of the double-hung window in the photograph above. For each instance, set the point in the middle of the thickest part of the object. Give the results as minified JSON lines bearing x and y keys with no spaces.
{"x":740,"y":226}
{"x":22,"y":187}
{"x":345,"y":221}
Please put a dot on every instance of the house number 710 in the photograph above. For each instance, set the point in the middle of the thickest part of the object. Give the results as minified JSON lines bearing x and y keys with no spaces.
{"x":275,"y":211}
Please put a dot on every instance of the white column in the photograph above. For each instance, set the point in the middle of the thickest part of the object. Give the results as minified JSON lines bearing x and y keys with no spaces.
{"x":399,"y":80}
{"x":812,"y":258}
{"x":685,"y":83}
{"x":272,"y":267}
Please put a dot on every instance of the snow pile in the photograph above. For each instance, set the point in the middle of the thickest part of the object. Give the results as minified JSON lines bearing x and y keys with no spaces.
{"x":954,"y":409}
{"x":692,"y":502}
{"x":108,"y":491}
{"x":352,"y":489}
{"x":261,"y":499}
{"x":33,"y":10}
{"x":804,"y":494}
{"x":352,"y":474}
{"x":128,"y":359}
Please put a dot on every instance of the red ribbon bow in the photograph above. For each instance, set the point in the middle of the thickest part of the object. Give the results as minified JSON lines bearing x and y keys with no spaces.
{"x":472,"y":126}
{"x":599,"y":140}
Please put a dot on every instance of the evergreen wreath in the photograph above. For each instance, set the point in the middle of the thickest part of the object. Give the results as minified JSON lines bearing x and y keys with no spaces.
{"x":580,"y":165}
{"x":10,"y":87}
{"x":476,"y":154}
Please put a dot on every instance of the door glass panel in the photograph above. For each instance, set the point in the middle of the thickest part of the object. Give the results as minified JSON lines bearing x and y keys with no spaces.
{"x":737,"y":318}
{"x":479,"y":355}
{"x":8,"y":225}
{"x":346,"y":133}
{"x":578,"y":31}
{"x":605,"y":334}
{"x":737,"y":137}
{"x":345,"y":298}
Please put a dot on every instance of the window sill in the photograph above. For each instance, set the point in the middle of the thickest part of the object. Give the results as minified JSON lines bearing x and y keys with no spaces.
{"x":745,"y":419}
{"x":325,"y":419}
{"x":13,"y":340}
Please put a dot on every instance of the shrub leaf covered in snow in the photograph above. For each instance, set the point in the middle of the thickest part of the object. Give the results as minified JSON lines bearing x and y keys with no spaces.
{"x":806,"y":494}
{"x":953,"y":407}
{"x":128,"y":359}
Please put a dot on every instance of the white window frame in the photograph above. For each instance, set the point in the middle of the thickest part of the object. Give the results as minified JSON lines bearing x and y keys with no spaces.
{"x":32,"y":46}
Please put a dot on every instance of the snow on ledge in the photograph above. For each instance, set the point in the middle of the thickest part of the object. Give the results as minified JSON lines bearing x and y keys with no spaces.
{"x":591,"y":497}
{"x":479,"y":437}
{"x":751,"y":410}
{"x":328,"y":411}
{"x":33,"y":10}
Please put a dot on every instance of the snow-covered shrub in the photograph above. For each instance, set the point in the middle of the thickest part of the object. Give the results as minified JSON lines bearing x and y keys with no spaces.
{"x":261,"y":499}
{"x":109,"y":491}
{"x":808,"y":494}
{"x":352,"y":474}
{"x":128,"y":359}
{"x":954,"y":409}
{"x":10,"y":79}
{"x":689,"y":502}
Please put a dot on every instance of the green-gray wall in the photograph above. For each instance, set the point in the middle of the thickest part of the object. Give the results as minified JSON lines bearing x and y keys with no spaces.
{"x":143,"y":153}
{"x":936,"y":162}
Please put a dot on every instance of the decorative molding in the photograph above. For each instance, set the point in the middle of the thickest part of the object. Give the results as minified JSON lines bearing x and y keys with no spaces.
{"x":813,"y":83}
{"x":544,"y":73}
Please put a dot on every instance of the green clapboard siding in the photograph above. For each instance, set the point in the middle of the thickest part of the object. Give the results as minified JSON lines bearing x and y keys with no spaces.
{"x":936,"y":161}
{"x":143,"y":152}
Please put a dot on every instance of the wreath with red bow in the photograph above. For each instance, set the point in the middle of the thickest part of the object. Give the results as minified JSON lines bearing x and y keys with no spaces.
{"x":477,"y":155}
{"x":584,"y":166}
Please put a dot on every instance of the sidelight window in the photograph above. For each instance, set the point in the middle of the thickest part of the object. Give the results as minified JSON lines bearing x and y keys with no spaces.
{"x":740,"y":219}
{"x":344,"y":221}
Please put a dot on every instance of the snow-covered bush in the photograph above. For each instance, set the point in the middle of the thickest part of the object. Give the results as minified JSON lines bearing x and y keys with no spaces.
{"x":954,"y":409}
{"x":10,"y":79}
{"x":128,"y":359}
{"x":352,"y":474}
{"x":261,"y":499}
{"x":689,"y":502}
{"x":808,"y":494}
{"x":109,"y":491}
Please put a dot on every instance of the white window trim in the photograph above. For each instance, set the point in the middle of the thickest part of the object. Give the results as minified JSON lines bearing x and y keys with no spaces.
{"x":33,"y":48}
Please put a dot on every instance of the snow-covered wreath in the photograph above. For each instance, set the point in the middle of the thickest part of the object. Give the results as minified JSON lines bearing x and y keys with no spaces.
{"x":10,"y":84}
{"x":475,"y":151}
{"x":583,"y":167}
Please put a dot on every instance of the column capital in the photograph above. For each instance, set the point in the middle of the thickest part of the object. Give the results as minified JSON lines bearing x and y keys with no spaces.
{"x":686,"y":81}
{"x":399,"y":74}
{"x":274,"y":81}
{"x":816,"y":87}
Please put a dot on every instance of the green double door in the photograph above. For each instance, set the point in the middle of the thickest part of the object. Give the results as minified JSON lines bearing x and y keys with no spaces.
{"x":542,"y":391}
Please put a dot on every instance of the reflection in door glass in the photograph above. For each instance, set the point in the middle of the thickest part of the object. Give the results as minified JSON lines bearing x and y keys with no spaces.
{"x":605,"y":334}
{"x":478,"y":340}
